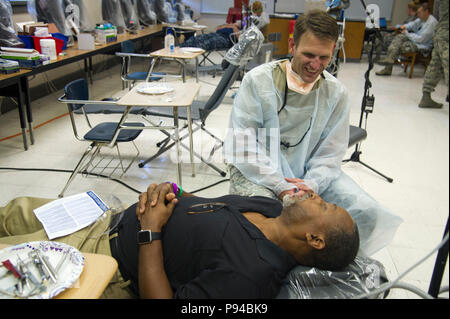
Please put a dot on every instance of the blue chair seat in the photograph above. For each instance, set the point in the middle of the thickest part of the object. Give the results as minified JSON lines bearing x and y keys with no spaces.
{"x":104,"y":132}
{"x":141,"y":76}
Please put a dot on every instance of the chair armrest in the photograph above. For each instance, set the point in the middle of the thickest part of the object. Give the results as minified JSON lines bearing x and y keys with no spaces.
{"x":63,"y":99}
{"x":139,"y":55}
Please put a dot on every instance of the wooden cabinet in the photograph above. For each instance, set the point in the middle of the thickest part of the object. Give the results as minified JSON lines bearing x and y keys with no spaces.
{"x":278,"y":35}
{"x":354,"y":39}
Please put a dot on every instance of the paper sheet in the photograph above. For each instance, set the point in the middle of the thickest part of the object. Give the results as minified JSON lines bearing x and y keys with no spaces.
{"x":67,"y":215}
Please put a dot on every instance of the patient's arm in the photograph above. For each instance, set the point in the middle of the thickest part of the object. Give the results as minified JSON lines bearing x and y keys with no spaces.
{"x":153,"y":281}
{"x":143,"y":197}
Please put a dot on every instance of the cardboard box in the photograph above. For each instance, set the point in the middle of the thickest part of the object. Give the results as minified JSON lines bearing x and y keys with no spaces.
{"x":29,"y":29}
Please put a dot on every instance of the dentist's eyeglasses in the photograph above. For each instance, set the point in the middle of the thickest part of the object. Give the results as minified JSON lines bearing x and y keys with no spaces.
{"x":205,"y":208}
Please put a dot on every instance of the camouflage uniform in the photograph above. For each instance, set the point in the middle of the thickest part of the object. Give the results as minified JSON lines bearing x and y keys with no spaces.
{"x":240,"y":185}
{"x":438,"y":66}
{"x":388,"y":37}
{"x":401,"y":44}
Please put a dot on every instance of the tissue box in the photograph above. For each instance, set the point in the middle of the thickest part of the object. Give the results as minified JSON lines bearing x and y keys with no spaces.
{"x":106,"y":35}
{"x":86,"y":41}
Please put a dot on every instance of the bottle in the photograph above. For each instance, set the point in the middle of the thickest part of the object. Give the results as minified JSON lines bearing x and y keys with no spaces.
{"x":169,"y":41}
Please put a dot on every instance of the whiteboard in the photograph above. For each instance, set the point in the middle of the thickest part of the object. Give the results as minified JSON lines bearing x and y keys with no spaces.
{"x":216,"y":6}
{"x":222,"y":6}
{"x":354,"y":12}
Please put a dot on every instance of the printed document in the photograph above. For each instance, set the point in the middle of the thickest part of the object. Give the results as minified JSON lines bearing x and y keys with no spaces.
{"x":69,"y":214}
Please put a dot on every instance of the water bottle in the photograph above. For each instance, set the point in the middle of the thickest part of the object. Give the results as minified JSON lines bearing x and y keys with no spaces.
{"x":169,"y":41}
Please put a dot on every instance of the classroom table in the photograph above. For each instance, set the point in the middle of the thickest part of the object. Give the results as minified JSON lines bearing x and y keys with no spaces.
{"x":193,"y":27}
{"x":16,"y":84}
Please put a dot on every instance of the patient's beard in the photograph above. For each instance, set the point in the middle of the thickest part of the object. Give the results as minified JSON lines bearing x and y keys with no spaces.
{"x":289,"y":200}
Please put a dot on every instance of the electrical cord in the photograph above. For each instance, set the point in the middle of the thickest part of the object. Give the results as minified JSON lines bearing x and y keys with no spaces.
{"x":396,"y":283}
{"x":100,"y":175}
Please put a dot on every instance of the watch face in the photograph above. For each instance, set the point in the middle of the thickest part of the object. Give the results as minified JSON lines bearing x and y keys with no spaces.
{"x":144,"y":236}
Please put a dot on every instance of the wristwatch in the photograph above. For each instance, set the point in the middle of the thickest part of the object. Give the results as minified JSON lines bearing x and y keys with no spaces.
{"x":147,"y":236}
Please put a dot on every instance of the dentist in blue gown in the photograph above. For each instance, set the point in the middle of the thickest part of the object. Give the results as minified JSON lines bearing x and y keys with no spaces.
{"x":289,"y":130}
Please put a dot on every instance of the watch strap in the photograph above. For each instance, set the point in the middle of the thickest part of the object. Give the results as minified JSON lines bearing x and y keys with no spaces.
{"x":147,"y":236}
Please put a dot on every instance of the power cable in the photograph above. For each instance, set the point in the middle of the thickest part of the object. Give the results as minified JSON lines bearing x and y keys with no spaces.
{"x":101,"y":175}
{"x":392,"y":284}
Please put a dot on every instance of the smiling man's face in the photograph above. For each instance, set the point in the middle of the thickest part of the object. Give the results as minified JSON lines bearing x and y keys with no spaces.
{"x":311,"y":56}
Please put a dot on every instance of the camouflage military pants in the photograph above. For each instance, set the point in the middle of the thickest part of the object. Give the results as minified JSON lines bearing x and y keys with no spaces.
{"x":438,"y":67}
{"x":240,"y":185}
{"x":401,"y":44}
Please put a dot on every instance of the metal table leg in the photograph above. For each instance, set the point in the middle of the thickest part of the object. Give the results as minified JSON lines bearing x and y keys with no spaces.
{"x":23,"y":124}
{"x":191,"y":141}
{"x":196,"y":69}
{"x":177,"y":141}
{"x":26,"y":90}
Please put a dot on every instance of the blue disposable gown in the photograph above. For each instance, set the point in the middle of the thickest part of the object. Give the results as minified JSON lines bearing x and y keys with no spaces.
{"x":318,"y":124}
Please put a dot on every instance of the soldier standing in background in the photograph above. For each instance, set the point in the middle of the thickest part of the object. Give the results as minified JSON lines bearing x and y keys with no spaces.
{"x":438,"y":66}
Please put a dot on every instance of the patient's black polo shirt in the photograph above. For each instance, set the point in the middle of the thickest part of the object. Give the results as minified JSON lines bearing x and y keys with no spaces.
{"x":212,"y":252}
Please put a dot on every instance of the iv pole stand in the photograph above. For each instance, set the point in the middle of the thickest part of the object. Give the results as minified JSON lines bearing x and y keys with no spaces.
{"x":368,"y":101}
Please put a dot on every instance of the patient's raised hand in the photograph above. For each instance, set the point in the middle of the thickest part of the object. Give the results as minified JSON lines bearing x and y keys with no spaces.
{"x":155,"y":190}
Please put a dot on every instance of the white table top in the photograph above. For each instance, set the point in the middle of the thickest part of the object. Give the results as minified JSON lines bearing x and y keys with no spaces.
{"x":182,"y":95}
{"x":179,"y":53}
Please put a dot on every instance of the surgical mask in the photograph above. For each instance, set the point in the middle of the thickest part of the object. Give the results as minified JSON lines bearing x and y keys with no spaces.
{"x":296,"y":83}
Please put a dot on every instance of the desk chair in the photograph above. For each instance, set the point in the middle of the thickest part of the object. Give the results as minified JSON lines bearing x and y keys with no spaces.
{"x":110,"y":134}
{"x":412,"y":58}
{"x":200,"y":111}
{"x":128,"y":52}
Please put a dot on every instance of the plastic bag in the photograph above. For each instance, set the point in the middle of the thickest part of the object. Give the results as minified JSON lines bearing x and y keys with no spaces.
{"x":183,"y":15}
{"x":164,"y":11}
{"x":362,"y":276}
{"x":145,"y":12}
{"x":8,"y":36}
{"x":129,"y":14}
{"x":49,"y":11}
{"x":76,"y":11}
{"x":246,"y":48}
{"x":112,"y":13}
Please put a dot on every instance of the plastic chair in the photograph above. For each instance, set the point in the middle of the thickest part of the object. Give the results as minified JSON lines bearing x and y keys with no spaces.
{"x":127,"y":52}
{"x":108,"y":134}
{"x":357,"y":135}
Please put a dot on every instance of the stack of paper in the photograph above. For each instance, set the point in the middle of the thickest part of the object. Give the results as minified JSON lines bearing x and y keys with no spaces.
{"x":19,"y":54}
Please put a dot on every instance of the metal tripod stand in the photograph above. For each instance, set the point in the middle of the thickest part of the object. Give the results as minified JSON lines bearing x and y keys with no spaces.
{"x":367,"y":105}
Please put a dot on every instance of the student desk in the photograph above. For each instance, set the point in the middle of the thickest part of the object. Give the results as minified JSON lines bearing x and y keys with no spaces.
{"x":16,"y":84}
{"x":179,"y":55}
{"x":182,"y":96}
